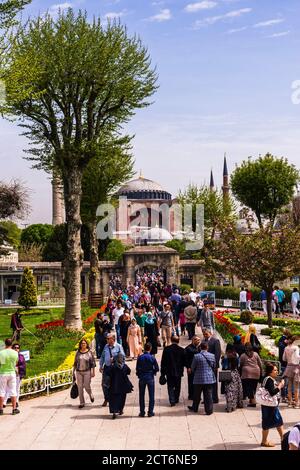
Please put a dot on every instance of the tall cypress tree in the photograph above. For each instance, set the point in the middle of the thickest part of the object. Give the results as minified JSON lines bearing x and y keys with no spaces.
{"x":28,"y":295}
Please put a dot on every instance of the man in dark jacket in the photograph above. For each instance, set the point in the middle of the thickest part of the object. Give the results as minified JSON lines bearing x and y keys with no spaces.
{"x":189,"y":354}
{"x":172,"y":365}
{"x":214,"y":347}
{"x":16,"y":325}
{"x":146,"y":369}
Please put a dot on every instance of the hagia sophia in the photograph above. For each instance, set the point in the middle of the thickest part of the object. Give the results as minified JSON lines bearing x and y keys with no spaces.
{"x":140,"y":193}
{"x":147,"y":236}
{"x":139,"y":218}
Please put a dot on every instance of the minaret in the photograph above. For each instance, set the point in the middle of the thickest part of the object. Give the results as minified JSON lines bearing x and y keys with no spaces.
{"x":225,"y":186}
{"x":212,"y":183}
{"x":57,"y":202}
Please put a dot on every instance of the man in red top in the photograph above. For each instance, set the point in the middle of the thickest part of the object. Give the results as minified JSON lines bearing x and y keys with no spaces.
{"x":249,"y":299}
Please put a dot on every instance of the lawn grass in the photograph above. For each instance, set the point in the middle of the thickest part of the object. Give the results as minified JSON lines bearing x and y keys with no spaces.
{"x":54,"y":352}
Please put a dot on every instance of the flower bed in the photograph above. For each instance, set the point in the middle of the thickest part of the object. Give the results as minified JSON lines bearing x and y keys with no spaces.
{"x":228,"y":329}
{"x":50,"y":325}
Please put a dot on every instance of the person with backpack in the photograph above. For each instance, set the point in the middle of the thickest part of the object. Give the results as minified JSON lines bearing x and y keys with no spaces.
{"x":271,"y":417}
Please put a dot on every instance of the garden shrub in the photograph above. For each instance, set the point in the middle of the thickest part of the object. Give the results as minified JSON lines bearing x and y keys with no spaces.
{"x":184,"y":288}
{"x":266,"y":331}
{"x":246,"y":317}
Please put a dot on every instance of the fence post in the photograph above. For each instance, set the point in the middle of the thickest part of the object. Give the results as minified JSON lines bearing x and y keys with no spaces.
{"x":48,"y":383}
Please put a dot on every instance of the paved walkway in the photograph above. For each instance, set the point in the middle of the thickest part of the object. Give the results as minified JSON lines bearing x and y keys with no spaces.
{"x":55,"y":422}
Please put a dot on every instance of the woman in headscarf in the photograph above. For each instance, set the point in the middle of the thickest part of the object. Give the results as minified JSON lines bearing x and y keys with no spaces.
{"x":151,"y":332}
{"x":134,"y":339}
{"x":238,"y":345}
{"x":233,"y":389}
{"x":120,"y":385}
{"x":251,"y":371}
{"x":253,"y":339}
{"x":124,"y":322}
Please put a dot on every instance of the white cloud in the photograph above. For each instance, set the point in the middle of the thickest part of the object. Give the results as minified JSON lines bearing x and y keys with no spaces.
{"x":236,"y":13}
{"x":114,"y":14}
{"x":279,"y":35}
{"x":60,"y":6}
{"x":163,"y":15}
{"x":214,"y":19}
{"x":237,"y":30}
{"x":204,"y":5}
{"x":268,"y":23}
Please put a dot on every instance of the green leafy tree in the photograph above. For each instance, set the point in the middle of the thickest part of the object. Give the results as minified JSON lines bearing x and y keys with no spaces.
{"x":37,"y":233}
{"x":178,"y":245}
{"x":264,"y":257}
{"x":265,"y":185}
{"x":56,"y":247}
{"x":8,"y":11}
{"x":114,"y":251}
{"x":13,"y":203}
{"x":90,"y":80}
{"x":217,"y":212}
{"x":28,"y":295}
{"x":12,"y":232}
{"x":112,"y":166}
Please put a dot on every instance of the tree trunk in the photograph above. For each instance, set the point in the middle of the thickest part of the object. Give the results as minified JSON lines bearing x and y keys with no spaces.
{"x":94,"y":275}
{"x":269,"y":307}
{"x":74,"y":256}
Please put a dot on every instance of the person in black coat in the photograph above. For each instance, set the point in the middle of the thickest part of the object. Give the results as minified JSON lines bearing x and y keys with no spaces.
{"x":189,"y":354}
{"x":238,"y":345}
{"x":120,"y":385}
{"x":172,"y":365}
{"x":151,"y":332}
{"x":214,"y":347}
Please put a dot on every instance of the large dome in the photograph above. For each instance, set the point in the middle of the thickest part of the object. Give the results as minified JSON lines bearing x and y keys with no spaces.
{"x":156,"y":235}
{"x":142,"y":188}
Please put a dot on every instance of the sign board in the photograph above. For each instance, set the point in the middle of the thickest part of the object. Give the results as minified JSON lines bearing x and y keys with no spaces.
{"x":26,"y":355}
{"x":8,"y":301}
{"x":227,"y":303}
{"x":208,"y":297}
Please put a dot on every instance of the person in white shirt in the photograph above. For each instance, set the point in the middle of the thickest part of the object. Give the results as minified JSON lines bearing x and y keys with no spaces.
{"x":243,"y":299}
{"x":193,"y":296}
{"x":292,"y":371}
{"x":294,"y":301}
{"x":294,"y":438}
{"x":117,"y":312}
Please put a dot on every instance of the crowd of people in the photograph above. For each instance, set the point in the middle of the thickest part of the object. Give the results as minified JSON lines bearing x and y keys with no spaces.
{"x":278,"y":301}
{"x":150,"y":314}
{"x":140,"y":318}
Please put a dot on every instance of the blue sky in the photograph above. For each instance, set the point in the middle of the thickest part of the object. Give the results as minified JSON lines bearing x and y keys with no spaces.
{"x":226,"y":69}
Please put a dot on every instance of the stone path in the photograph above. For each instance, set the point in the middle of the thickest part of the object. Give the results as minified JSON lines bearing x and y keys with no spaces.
{"x":55,"y":422}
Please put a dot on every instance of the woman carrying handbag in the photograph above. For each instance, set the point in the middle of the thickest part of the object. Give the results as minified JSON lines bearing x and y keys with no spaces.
{"x":271,"y":417}
{"x":84,"y":368}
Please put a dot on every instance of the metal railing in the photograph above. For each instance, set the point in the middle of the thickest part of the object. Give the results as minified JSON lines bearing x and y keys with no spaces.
{"x":45,"y":382}
{"x":255,"y":304}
